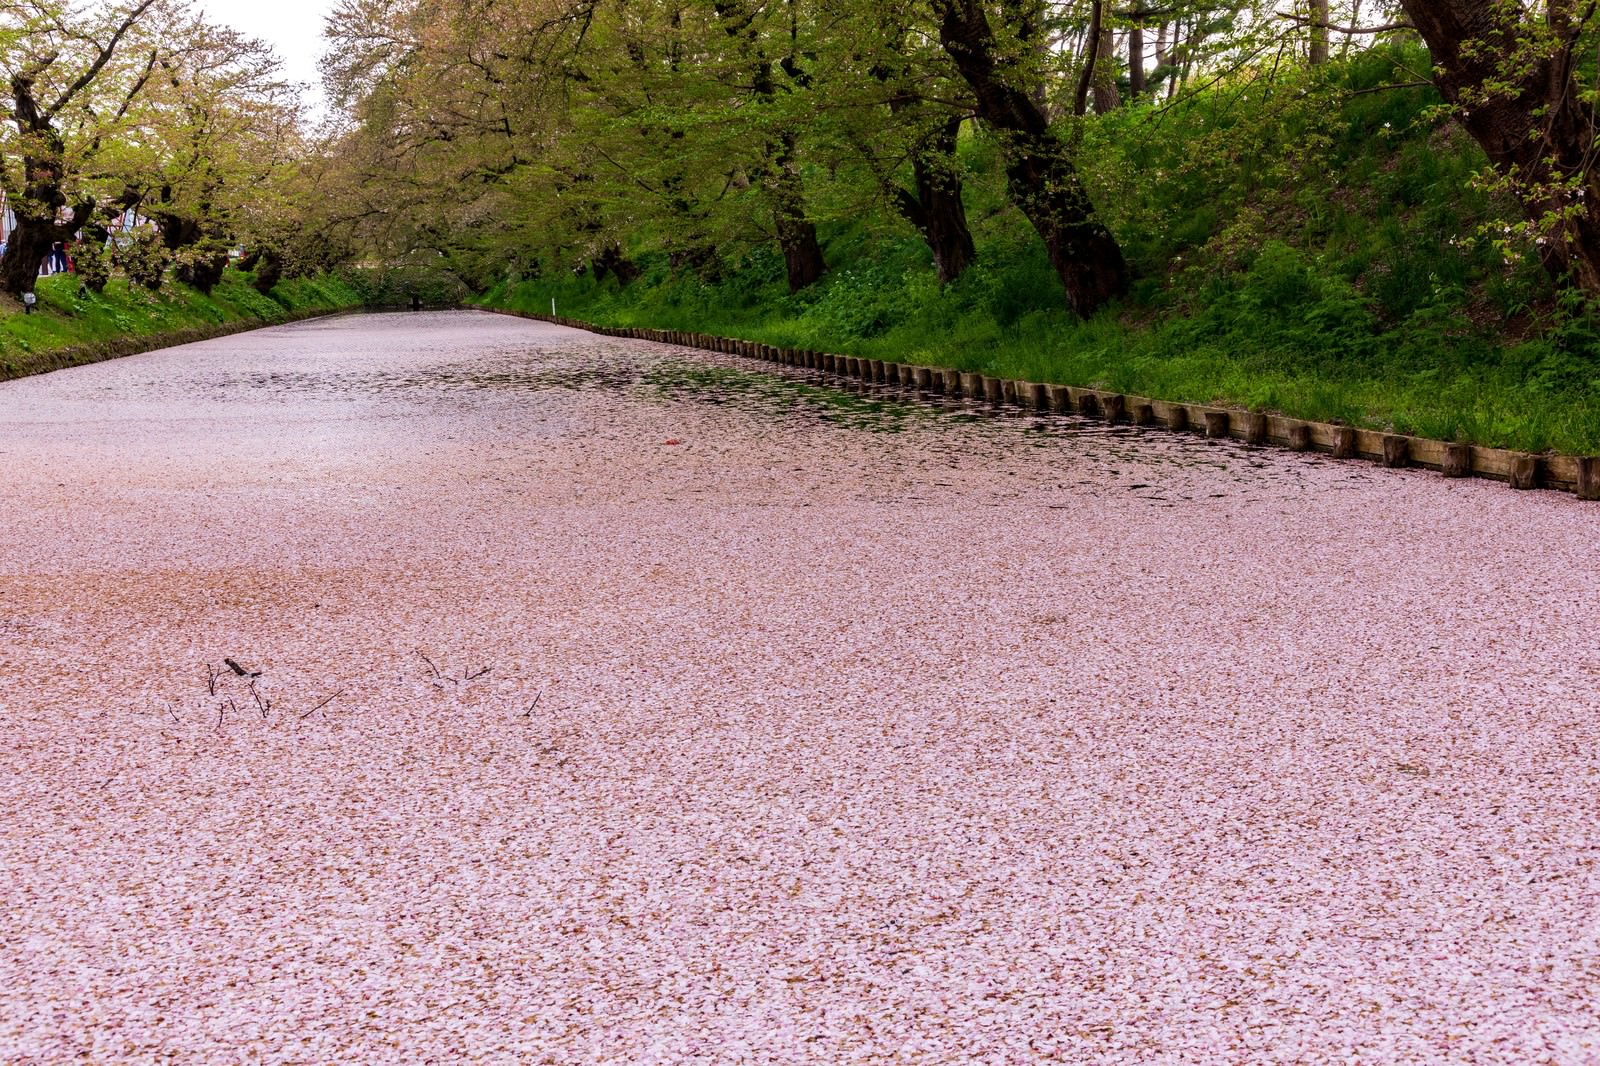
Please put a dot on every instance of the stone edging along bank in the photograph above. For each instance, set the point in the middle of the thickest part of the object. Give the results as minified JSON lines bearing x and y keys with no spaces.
{"x":1522,"y":470}
{"x":28,"y":363}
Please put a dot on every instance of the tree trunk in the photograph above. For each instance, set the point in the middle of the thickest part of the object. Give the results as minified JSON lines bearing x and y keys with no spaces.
{"x":944,"y":216}
{"x":612,"y":261}
{"x":797,"y":234}
{"x":936,"y":208}
{"x":802,"y":255}
{"x":1136,"y":82}
{"x":1040,"y":173}
{"x":1319,"y":32}
{"x":42,"y":199}
{"x":26,"y":248}
{"x":1106,"y":97}
{"x":269,"y":271}
{"x":1537,"y":129}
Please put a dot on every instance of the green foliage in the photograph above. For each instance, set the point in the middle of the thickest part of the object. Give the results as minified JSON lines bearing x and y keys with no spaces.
{"x":70,"y":315}
{"x":143,"y":258}
{"x":92,"y":262}
{"x":1302,"y":245}
{"x":394,"y":286}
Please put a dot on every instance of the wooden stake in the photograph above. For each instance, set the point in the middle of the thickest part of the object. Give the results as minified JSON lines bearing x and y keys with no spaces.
{"x":1457,"y":461}
{"x":1216,"y":424}
{"x":1524,"y":471}
{"x":1344,"y":442}
{"x":1589,"y":478}
{"x":1396,"y":450}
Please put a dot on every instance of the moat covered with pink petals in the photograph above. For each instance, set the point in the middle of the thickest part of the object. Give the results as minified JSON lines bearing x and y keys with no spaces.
{"x":622,"y":703}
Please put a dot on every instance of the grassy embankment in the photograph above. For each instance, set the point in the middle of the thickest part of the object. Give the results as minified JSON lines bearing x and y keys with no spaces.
{"x":1318,"y":251}
{"x":68,"y":328}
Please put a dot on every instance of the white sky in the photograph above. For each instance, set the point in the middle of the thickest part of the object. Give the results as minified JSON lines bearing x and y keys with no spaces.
{"x":292,"y":27}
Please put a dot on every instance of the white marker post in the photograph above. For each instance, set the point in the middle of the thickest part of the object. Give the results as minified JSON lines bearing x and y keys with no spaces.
{"x":552,"y":307}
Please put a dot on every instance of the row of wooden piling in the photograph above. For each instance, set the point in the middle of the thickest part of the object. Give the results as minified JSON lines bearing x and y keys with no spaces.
{"x":1522,"y":470}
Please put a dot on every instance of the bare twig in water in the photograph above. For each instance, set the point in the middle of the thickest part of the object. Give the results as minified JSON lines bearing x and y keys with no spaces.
{"x":529,"y":712}
{"x":474,"y":677}
{"x":212,"y":673}
{"x":174,"y":714}
{"x":321,"y":705}
{"x":437,"y":676}
{"x":262,"y":705}
{"x":241,"y":671}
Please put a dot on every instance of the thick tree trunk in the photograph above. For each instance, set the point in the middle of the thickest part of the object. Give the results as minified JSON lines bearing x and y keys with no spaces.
{"x":802,"y":254}
{"x":42,"y":199}
{"x":1040,"y":173}
{"x":26,"y":249}
{"x":935,"y":208}
{"x":797,"y":234}
{"x":612,"y":261}
{"x":269,"y":271}
{"x":1537,"y":129}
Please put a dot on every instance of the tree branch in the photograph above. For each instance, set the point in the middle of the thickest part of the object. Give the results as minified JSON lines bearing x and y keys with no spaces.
{"x":100,"y":60}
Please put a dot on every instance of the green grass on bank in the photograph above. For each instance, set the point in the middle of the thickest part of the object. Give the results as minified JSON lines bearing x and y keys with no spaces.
{"x":1317,"y":250}
{"x":69,"y":318}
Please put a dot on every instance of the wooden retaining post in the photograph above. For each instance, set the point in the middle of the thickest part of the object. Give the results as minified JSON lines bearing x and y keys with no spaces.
{"x":1299,"y":437}
{"x":1008,"y":390}
{"x":1255,"y":428}
{"x":1524,"y":472}
{"x":1177,"y":417}
{"x":924,"y":378}
{"x":1143,"y":414}
{"x":1588,"y":478}
{"x":1396,"y":450}
{"x":1060,"y":399}
{"x":1088,"y":403}
{"x":1115,"y":407}
{"x":1457,"y":461}
{"x":972,"y":385}
{"x":950,"y":381}
{"x":993,"y":390}
{"x":1039,"y":395}
{"x":1216,"y":424}
{"x":1344,"y":442}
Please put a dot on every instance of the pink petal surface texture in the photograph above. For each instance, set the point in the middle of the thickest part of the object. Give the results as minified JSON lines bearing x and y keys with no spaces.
{"x":842,"y":730}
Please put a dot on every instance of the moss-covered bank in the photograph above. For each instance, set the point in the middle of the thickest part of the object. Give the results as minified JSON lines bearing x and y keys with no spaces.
{"x":71,"y":326}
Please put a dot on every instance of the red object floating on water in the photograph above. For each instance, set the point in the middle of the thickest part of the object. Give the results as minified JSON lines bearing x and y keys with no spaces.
{"x":672,"y":440}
